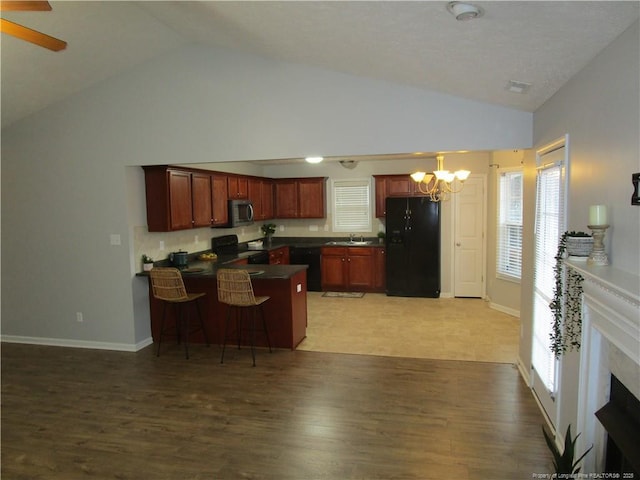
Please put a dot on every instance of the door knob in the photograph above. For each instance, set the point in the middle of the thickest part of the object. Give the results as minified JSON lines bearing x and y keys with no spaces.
{"x":457,"y":244}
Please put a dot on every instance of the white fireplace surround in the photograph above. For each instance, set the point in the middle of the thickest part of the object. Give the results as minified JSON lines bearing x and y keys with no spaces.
{"x":610,"y":344}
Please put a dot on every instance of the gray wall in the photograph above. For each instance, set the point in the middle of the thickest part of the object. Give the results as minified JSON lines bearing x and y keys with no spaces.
{"x":599,"y":109}
{"x":66,"y":187}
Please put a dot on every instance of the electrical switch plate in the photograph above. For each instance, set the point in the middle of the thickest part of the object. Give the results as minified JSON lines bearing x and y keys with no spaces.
{"x":282,"y":228}
{"x":313,"y":228}
{"x":299,"y":288}
{"x":161,"y":244}
{"x":115,"y":239}
{"x":79,"y":317}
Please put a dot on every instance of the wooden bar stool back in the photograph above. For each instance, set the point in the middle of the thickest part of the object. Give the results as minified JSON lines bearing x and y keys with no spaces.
{"x":236,"y":291}
{"x":168,"y":287}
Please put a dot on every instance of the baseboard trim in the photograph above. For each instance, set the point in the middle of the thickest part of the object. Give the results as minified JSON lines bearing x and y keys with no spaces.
{"x":446,"y":295}
{"x":503,"y":309}
{"x":63,"y":342}
{"x":524,"y":372}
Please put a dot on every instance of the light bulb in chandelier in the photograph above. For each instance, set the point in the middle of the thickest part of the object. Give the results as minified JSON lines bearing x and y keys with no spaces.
{"x":442,"y":185}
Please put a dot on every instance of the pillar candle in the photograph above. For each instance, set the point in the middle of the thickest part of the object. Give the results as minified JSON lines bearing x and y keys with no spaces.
{"x":598,"y":215}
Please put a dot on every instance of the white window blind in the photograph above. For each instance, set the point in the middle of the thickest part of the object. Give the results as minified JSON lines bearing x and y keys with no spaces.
{"x":509,"y":214}
{"x":351,"y":205}
{"x":549,"y":225}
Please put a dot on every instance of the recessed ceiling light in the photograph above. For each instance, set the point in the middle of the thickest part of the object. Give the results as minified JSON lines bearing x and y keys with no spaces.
{"x":464,"y":11}
{"x":313,"y":159}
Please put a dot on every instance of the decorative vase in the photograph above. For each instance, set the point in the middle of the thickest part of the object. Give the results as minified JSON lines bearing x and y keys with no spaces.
{"x":268,"y":239}
{"x":579,"y":246}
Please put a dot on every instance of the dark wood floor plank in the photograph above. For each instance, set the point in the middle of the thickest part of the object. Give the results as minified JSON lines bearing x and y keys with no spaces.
{"x":76,"y":413}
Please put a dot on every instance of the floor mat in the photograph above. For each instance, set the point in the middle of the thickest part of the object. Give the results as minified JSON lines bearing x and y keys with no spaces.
{"x":344,"y":294}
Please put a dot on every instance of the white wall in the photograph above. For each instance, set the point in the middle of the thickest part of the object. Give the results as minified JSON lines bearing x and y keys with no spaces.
{"x":599,"y":109}
{"x":503,"y":294}
{"x":66,"y":187}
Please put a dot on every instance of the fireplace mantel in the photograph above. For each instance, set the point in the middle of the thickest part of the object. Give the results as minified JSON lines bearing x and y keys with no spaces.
{"x":610,"y":344}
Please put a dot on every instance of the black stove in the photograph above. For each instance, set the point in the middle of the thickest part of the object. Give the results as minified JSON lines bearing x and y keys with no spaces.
{"x":228,"y":245}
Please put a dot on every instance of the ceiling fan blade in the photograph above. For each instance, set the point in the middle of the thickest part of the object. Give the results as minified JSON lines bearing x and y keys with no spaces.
{"x":32,"y":36}
{"x":26,"y":6}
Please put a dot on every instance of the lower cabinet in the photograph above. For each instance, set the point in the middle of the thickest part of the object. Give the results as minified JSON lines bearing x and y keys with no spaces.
{"x":380,"y":260}
{"x":279,"y":256}
{"x":354,"y":269}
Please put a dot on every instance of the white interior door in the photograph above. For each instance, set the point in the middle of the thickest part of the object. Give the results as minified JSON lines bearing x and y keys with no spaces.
{"x":469,"y":227}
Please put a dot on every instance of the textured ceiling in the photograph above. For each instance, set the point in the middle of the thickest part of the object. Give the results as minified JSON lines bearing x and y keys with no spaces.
{"x":412,"y":43}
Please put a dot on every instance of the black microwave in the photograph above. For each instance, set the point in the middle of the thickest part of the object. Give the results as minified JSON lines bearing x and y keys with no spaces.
{"x":240,"y":213}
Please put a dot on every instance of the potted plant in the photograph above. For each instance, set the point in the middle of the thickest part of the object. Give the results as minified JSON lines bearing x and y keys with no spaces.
{"x":147,"y":263}
{"x":564,"y":462}
{"x":381,"y":237}
{"x":579,"y":244}
{"x":268,"y":229}
{"x":566,"y":305}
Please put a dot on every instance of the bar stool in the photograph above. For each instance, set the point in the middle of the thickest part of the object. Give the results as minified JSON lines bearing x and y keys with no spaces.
{"x":236,"y":291}
{"x":168,"y":287}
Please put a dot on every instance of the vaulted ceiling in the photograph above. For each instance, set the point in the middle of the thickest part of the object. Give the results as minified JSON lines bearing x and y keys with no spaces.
{"x":416,"y":43}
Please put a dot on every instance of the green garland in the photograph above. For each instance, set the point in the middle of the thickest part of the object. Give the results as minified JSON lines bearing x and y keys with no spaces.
{"x":566,"y":303}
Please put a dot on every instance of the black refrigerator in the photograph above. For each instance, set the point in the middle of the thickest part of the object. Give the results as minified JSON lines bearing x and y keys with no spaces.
{"x":413,"y":247}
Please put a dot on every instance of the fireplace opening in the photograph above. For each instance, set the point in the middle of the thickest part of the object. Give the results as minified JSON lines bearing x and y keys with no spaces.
{"x":621,"y":420}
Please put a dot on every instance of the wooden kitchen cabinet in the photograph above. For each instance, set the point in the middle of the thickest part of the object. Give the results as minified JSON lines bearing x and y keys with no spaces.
{"x":261,"y":196}
{"x":300,"y":197}
{"x":279,"y":256}
{"x":202,"y":200}
{"x":393,"y":186}
{"x":219,"y":199}
{"x":379,"y":260}
{"x":347,"y":269}
{"x":169,"y":199}
{"x":311,"y":197}
{"x":238,"y":186}
{"x":286,"y":198}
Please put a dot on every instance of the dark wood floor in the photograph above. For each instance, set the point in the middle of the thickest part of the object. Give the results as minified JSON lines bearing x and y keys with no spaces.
{"x":75,"y":413}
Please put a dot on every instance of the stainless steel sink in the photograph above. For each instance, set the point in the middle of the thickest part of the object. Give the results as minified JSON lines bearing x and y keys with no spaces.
{"x":349,"y":243}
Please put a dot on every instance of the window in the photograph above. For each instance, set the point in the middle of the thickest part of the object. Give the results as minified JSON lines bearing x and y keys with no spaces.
{"x":351,"y":205}
{"x":549,"y":225}
{"x":509,"y":237}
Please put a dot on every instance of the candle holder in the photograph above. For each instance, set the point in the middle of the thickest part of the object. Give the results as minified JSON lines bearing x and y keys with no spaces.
{"x":597,"y":256}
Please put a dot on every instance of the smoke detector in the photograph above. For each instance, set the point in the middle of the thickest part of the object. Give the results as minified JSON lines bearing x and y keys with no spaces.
{"x":515,"y":86}
{"x":464,"y":11}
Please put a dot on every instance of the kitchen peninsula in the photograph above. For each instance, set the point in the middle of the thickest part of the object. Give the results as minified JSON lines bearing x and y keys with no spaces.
{"x":285,"y":312}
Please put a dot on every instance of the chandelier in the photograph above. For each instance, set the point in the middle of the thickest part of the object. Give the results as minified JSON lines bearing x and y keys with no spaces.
{"x":439,"y":184}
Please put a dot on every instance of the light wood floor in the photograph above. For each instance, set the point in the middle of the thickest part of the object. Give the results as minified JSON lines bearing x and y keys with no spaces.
{"x":77,"y":413}
{"x":443,"y":328}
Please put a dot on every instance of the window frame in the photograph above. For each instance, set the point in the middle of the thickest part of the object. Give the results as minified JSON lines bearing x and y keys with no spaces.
{"x":502,"y":257}
{"x":366,"y":225}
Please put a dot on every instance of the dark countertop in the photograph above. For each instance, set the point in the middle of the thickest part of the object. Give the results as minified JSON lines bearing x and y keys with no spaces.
{"x":270,"y":271}
{"x":208,"y":269}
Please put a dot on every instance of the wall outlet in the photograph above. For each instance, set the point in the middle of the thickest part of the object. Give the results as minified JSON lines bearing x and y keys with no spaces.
{"x":196,"y":239}
{"x":114,"y":238}
{"x":161,"y":244}
{"x":79,"y":317}
{"x":313,"y":228}
{"x":282,"y":228}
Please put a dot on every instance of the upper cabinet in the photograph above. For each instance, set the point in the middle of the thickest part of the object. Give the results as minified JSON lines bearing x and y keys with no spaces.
{"x":261,"y":196}
{"x":169,"y":199}
{"x":393,"y":186}
{"x":219,"y":197}
{"x":238,"y":187}
{"x":300,"y":197}
{"x":201,"y":199}
{"x":182,"y":198}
